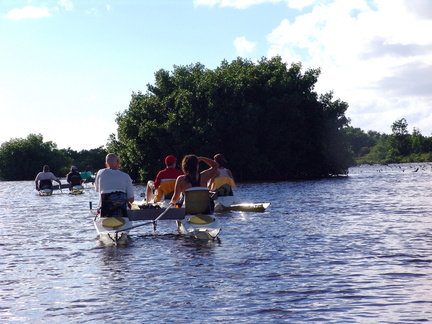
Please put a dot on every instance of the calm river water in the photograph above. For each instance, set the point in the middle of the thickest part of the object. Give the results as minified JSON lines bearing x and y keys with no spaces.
{"x":356,"y":249}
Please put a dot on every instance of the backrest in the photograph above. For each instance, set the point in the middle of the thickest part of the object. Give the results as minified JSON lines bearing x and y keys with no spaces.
{"x":197,"y":201}
{"x":114,"y":204}
{"x":220,"y":181}
{"x":45,"y":184}
{"x":75,"y":180}
{"x":166,"y":188}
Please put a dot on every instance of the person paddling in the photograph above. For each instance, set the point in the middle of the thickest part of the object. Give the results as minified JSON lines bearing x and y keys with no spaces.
{"x":45,"y":178}
{"x":113,"y":185}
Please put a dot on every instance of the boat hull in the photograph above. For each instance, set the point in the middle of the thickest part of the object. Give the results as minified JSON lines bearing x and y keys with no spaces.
{"x":45,"y":192}
{"x":230,"y":203}
{"x":202,"y":227}
{"x":112,"y":230}
{"x":77,"y":190}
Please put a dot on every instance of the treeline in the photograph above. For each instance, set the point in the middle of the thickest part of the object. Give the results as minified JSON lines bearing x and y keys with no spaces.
{"x":398,"y":147}
{"x":265,"y":117}
{"x":22,"y":159}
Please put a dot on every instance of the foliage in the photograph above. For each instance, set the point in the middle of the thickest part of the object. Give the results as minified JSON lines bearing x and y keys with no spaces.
{"x":86,"y":160}
{"x":23,"y":159}
{"x":400,"y":146}
{"x":264,"y":117}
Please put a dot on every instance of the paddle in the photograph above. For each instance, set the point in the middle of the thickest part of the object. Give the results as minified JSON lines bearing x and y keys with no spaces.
{"x":154,"y":221}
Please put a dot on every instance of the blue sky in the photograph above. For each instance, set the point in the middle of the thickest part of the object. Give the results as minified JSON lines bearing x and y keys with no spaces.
{"x":68,"y":66}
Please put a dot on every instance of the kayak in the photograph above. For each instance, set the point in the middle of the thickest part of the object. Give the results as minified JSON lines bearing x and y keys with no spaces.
{"x":231,"y":203}
{"x":201,"y":227}
{"x":115,"y":230}
{"x":77,"y":190}
{"x":112,"y":230}
{"x":199,"y":221}
{"x":45,"y":192}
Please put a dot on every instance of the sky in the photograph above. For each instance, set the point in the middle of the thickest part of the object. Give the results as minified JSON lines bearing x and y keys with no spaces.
{"x":68,"y":67}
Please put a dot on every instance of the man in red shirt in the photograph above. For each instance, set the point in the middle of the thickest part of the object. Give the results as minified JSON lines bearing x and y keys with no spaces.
{"x":167,"y":174}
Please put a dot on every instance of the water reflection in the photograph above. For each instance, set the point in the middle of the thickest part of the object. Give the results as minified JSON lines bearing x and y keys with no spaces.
{"x":354,"y":249}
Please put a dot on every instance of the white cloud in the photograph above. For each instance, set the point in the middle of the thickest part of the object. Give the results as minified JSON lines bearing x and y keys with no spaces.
{"x":27,"y":12}
{"x":66,"y":4}
{"x":377,"y":57}
{"x":243,"y":46}
{"x":243,"y":4}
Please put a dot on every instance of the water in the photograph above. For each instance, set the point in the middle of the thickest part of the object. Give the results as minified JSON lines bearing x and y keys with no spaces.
{"x":347,"y":250}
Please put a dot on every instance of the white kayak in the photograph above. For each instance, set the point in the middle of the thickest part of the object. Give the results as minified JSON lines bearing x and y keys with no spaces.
{"x":112,"y":230}
{"x":201,"y":227}
{"x":77,"y":190}
{"x":45,"y":192}
{"x":231,"y":203}
{"x":199,"y":221}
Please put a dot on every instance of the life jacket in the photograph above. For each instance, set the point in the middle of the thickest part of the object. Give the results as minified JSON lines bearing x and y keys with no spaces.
{"x":166,"y":189}
{"x":223,"y":186}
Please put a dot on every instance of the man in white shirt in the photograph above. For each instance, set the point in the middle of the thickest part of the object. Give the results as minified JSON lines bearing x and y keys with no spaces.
{"x":112,"y":180}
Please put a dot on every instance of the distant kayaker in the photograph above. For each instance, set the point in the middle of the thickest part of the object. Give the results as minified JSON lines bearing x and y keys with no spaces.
{"x":170,"y":172}
{"x":223,"y":181}
{"x":45,"y":178}
{"x":74,"y":177}
{"x":192,"y":177}
{"x":112,"y":182}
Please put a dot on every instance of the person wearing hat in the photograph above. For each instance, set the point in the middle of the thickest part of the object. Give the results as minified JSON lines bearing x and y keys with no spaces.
{"x":170,"y":173}
{"x":44,"y":179}
{"x":223,"y":181}
{"x":74,"y":177}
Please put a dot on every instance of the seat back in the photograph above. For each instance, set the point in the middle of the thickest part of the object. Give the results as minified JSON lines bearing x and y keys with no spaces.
{"x":165,"y":189}
{"x":220,"y":181}
{"x":114,"y":204}
{"x":45,"y":184}
{"x":75,"y":180}
{"x":197,"y":201}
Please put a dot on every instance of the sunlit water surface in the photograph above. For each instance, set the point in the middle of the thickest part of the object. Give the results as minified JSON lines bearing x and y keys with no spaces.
{"x":346,"y":250}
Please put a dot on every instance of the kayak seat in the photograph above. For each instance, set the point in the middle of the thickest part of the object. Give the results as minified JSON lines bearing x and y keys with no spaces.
{"x":201,"y":219}
{"x":75,"y":180}
{"x":197,"y":201}
{"x":45,"y":184}
{"x":220,"y":181}
{"x":113,"y":222}
{"x":114,"y":204}
{"x":165,"y":190}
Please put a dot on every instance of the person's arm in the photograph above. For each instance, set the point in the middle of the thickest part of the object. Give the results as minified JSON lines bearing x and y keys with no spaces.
{"x":206,"y":175}
{"x":177,"y":191}
{"x":59,"y":182}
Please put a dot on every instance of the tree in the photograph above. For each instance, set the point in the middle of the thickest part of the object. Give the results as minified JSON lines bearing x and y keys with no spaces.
{"x":22,"y":159}
{"x":264,"y":116}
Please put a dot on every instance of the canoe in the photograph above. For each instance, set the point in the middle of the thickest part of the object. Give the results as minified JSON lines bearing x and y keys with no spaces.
{"x":199,"y":221}
{"x":231,"y":203}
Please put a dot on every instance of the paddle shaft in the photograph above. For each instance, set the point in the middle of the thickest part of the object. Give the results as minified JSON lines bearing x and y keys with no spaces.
{"x":152,"y":222}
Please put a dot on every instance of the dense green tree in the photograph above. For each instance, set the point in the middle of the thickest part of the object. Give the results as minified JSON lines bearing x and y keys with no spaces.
{"x":22,"y":159}
{"x":86,"y":160}
{"x":264,"y":116}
